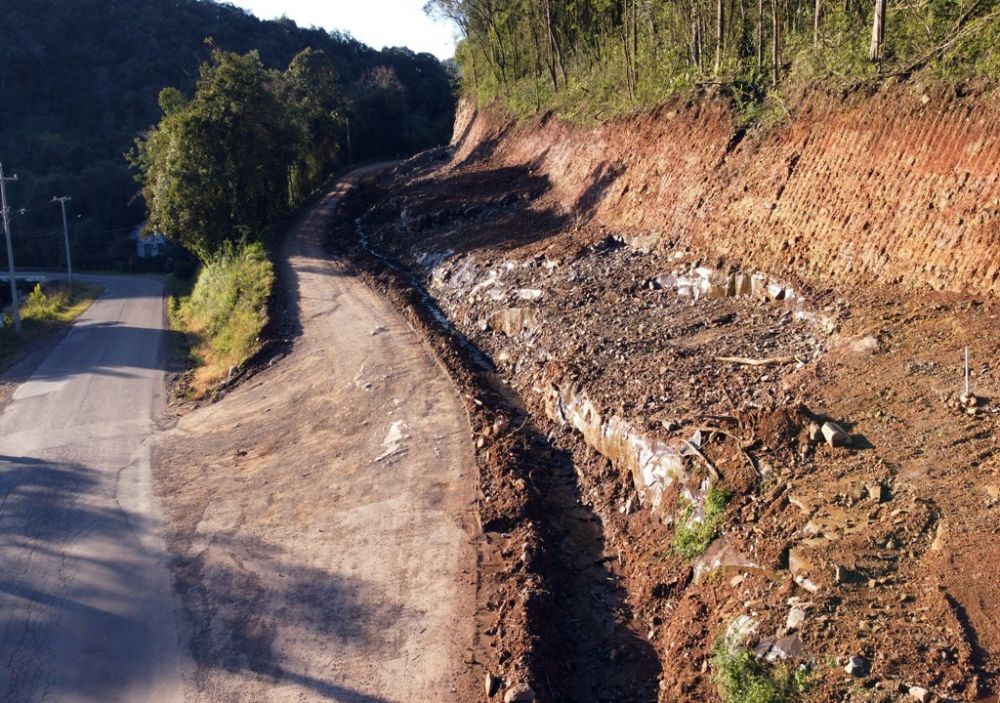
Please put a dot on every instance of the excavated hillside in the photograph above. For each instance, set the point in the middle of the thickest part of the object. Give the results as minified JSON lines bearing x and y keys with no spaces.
{"x":717,"y":377}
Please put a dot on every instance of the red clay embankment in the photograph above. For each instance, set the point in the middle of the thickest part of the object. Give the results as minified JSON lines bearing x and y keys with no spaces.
{"x":898,"y":187}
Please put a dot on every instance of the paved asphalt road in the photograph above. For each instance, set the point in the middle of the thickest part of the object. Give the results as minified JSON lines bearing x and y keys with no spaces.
{"x":86,"y":608}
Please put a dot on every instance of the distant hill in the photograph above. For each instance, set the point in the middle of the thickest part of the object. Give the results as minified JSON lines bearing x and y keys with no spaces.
{"x":79,"y":81}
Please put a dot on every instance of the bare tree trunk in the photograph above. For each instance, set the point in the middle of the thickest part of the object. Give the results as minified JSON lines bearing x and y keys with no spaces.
{"x":695,"y":58}
{"x":625,"y":47}
{"x":554,"y":44}
{"x":635,"y":42}
{"x":760,"y":34}
{"x":775,"y":42}
{"x":701,"y":42}
{"x":816,"y":15}
{"x":720,"y":28}
{"x":878,"y":32}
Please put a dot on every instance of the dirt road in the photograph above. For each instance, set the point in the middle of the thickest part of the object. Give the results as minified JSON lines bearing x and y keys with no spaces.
{"x":320,"y":516}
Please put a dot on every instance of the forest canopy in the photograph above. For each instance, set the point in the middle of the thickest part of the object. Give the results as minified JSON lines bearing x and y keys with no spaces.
{"x":80,"y":80}
{"x":590,"y":58}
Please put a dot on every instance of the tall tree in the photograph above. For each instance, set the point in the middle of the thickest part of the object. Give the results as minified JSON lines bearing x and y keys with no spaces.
{"x":215,"y":169}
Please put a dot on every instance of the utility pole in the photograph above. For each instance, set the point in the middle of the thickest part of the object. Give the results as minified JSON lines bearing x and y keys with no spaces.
{"x":10,"y":248}
{"x":62,"y":200}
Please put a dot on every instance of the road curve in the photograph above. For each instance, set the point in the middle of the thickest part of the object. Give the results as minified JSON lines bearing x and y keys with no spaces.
{"x":86,"y":608}
{"x":320,"y":516}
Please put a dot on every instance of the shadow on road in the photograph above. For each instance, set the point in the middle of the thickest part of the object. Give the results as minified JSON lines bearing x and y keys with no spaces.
{"x":56,"y":589}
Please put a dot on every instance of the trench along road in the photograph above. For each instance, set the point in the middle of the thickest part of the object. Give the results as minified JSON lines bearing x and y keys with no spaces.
{"x":316,"y":524}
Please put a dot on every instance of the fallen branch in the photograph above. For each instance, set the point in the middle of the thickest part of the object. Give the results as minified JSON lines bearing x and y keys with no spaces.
{"x":773,"y":361}
{"x":714,"y":472}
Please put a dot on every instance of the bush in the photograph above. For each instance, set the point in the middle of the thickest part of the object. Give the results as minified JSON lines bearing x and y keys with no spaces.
{"x":742,"y":678}
{"x":42,"y":310}
{"x":692,"y":537}
{"x":226,"y":310}
{"x":39,"y":306}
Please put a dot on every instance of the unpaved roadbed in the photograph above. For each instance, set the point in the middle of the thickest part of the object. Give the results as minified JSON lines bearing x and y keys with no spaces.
{"x":321,"y":515}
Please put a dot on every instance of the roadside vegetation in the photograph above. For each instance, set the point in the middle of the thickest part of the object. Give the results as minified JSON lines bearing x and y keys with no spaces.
{"x":220,"y":169}
{"x":45,"y":309}
{"x":224,"y":313}
{"x":593,"y":59}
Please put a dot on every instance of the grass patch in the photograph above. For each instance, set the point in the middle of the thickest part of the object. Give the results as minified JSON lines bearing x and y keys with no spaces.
{"x":224,"y":312}
{"x":692,"y":537}
{"x":44,"y":309}
{"x":743,"y":678}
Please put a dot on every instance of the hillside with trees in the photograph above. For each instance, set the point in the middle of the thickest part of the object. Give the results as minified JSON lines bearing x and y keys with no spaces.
{"x":594,"y":58}
{"x":80,"y":81}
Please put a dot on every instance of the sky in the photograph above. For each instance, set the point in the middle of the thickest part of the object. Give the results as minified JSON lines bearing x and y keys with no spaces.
{"x":378,"y":23}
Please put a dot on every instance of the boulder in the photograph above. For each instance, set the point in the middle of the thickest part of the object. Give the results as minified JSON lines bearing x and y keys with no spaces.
{"x":857,"y":666}
{"x":835,"y":435}
{"x":519,"y":694}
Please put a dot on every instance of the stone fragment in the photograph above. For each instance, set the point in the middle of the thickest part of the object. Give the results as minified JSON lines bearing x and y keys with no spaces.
{"x":938,"y":544}
{"x":722,"y":555}
{"x":741,"y":283}
{"x":519,"y":694}
{"x":844,"y":575}
{"x":492,"y":685}
{"x":788,"y":647}
{"x":877,"y":492}
{"x":758,"y":285}
{"x":798,"y":563}
{"x":804,"y":507}
{"x":796,"y":616}
{"x":512,"y":321}
{"x":835,"y":435}
{"x":857,"y":666}
{"x":969,"y":400}
{"x":775,"y":291}
{"x":921,"y":694}
{"x":529,"y":293}
{"x":663,"y":281}
{"x":867,"y":344}
{"x":815,"y":433}
{"x":805,"y":583}
{"x":740,"y":630}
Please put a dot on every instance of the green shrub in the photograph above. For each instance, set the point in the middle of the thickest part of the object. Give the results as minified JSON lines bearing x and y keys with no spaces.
{"x":42,"y":310}
{"x":692,"y":537}
{"x":743,"y":678}
{"x":226,"y":310}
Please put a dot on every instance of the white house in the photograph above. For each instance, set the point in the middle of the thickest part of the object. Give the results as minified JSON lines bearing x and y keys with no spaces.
{"x":147,"y":245}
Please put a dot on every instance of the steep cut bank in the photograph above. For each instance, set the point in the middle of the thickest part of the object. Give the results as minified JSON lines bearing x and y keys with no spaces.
{"x":759,"y":472}
{"x":900,"y":187}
